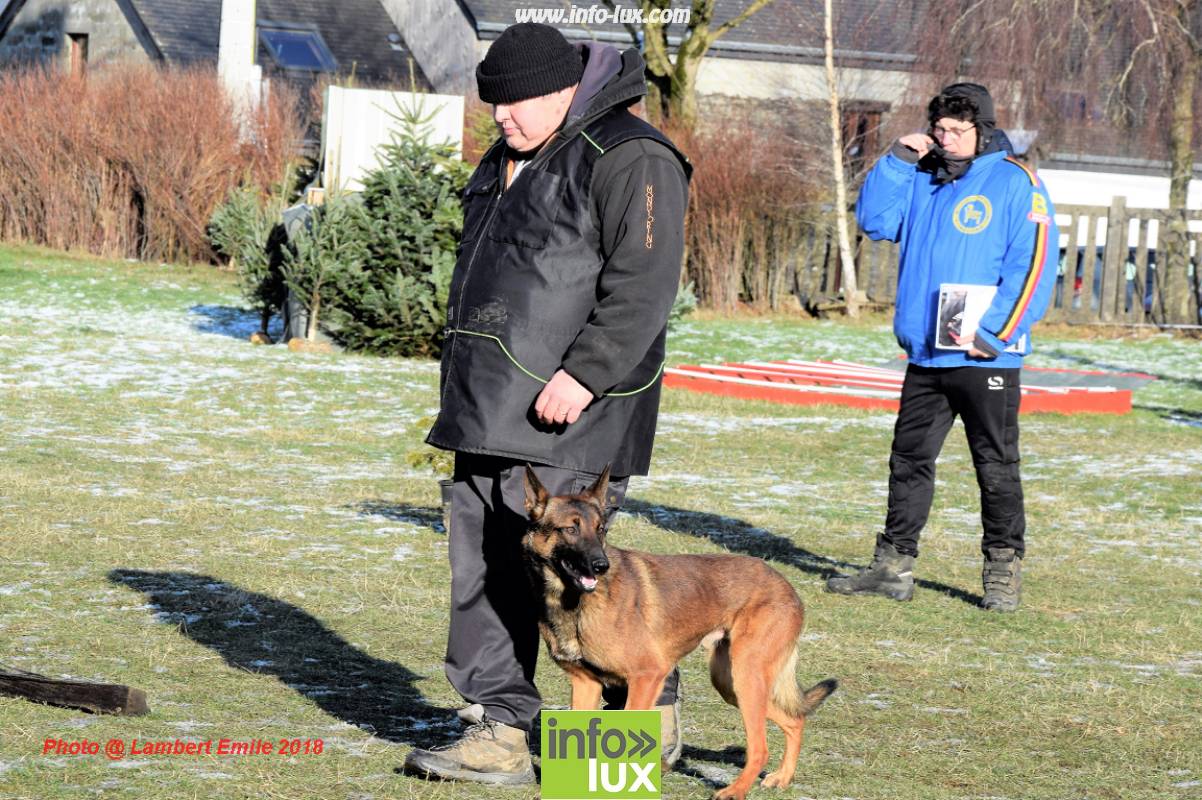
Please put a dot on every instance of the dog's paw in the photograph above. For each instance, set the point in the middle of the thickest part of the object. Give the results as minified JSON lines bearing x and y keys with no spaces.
{"x":777,"y":780}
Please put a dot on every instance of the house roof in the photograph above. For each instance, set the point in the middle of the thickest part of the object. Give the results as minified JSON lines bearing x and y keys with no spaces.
{"x":867,"y":32}
{"x":188,"y":32}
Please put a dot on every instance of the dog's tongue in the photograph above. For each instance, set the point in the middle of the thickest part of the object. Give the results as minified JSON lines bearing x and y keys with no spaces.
{"x":588,"y":583}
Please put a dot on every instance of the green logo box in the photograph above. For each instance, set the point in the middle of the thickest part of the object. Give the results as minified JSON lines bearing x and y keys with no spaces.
{"x":600,"y":754}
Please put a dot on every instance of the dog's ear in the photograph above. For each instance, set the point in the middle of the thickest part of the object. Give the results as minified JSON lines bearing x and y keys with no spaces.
{"x":536,"y":495}
{"x":600,"y":487}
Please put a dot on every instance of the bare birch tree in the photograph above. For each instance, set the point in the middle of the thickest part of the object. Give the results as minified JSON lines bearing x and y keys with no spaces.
{"x":846,"y":259}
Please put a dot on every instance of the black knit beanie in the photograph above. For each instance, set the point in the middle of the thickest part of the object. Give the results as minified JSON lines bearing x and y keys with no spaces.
{"x":527,"y":60}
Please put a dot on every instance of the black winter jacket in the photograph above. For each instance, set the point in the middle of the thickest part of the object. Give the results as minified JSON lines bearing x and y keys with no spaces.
{"x":574,"y":267}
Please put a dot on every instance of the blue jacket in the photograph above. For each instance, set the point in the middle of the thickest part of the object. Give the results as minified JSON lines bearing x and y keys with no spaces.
{"x":995,"y":225}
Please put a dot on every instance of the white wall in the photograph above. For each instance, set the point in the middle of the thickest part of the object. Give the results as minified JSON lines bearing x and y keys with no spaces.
{"x":1070,"y":187}
{"x":1075,"y":187}
{"x":776,"y":80}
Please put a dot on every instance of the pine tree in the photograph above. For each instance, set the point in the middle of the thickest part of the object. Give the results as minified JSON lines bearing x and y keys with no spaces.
{"x":394,"y":302}
{"x":324,"y":254}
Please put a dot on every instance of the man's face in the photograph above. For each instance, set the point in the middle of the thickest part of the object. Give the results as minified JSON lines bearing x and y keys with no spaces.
{"x":528,"y":123}
{"x":958,"y":137}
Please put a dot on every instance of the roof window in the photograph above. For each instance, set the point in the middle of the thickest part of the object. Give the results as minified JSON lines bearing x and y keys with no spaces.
{"x":297,"y":48}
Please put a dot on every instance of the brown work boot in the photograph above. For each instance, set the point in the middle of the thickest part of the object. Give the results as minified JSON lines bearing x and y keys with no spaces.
{"x":488,"y":752}
{"x":1002,"y":577}
{"x":891,"y":574}
{"x":670,"y":739}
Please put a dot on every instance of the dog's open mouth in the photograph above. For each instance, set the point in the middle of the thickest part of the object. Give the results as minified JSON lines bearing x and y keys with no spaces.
{"x":585,"y":583}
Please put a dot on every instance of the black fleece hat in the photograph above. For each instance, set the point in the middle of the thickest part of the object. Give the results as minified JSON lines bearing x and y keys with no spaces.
{"x":984,"y":116}
{"x":527,"y":60}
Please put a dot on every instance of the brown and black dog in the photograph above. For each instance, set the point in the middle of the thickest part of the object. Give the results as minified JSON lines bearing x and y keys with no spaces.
{"x":621,"y":617}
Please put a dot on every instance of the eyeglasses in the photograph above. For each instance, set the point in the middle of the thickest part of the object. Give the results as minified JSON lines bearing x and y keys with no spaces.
{"x":940,"y":132}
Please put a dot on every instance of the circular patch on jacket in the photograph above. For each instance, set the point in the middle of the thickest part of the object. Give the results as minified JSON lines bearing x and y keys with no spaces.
{"x":972,"y":214}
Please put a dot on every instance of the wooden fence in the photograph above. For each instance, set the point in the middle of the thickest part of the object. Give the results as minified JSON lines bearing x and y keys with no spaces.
{"x":1122,"y":270}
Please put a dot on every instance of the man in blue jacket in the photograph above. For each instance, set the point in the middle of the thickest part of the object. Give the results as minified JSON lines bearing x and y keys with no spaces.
{"x":963,"y":211}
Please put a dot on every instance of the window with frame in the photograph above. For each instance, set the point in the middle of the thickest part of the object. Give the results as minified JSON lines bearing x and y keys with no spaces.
{"x":297,"y":48}
{"x":861,"y":123}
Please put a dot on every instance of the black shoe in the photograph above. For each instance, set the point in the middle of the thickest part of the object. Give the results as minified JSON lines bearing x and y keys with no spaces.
{"x":890,"y":574}
{"x":1002,"y":578}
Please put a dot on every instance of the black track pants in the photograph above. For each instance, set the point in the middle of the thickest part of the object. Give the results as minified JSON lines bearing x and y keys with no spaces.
{"x":987,"y":400}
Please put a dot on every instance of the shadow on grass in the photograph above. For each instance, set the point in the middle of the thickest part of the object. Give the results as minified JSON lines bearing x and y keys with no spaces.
{"x":732,"y":756}
{"x":1178,"y":415}
{"x":401,"y":512}
{"x":740,"y":537}
{"x":237,"y":323}
{"x":266,"y":636}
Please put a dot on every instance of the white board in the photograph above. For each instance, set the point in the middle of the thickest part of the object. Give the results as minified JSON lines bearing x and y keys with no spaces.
{"x":358,"y":121}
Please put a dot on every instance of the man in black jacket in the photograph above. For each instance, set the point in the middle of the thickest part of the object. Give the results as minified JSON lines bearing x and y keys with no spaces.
{"x":572,"y":243}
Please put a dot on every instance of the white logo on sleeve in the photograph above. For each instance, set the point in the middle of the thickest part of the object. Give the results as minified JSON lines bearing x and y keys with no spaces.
{"x":996,"y":383}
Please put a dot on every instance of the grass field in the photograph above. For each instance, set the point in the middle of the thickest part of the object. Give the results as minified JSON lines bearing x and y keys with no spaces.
{"x":235,"y":529}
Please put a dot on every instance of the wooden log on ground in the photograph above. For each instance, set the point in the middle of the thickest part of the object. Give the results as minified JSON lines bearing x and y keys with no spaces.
{"x":99,"y":698}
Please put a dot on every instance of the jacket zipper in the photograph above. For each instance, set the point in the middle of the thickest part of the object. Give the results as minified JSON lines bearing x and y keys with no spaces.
{"x":492,"y":209}
{"x":458,"y":307}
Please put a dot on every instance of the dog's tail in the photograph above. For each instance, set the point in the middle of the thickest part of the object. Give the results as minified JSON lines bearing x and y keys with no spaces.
{"x":787,"y":695}
{"x":816,"y":694}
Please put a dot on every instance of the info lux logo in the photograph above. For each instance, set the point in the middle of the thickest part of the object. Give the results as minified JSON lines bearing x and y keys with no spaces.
{"x":600,"y":754}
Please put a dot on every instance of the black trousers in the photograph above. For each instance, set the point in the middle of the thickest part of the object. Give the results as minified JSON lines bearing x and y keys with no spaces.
{"x":493,"y":643}
{"x":987,"y":401}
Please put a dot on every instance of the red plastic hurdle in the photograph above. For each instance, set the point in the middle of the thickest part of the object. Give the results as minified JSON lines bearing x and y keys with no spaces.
{"x":844,"y":383}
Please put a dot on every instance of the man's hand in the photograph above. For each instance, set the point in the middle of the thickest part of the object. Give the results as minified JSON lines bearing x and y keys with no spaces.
{"x":968,"y":340}
{"x":561,"y":400}
{"x":918,"y":142}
